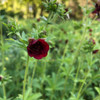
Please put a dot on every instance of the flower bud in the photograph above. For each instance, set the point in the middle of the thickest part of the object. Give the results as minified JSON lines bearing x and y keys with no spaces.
{"x":1,"y":77}
{"x":66,"y":10}
{"x":66,"y":41}
{"x":30,"y":39}
{"x":95,"y":51}
{"x":92,"y":41}
{"x":90,"y":30}
{"x":88,"y":45}
{"x":90,"y":34}
{"x":38,"y":20}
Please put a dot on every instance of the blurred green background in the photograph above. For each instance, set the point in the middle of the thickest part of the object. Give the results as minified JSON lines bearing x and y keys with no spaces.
{"x":34,"y":8}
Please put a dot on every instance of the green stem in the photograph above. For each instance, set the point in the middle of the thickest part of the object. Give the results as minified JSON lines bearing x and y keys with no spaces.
{"x":79,"y":93}
{"x":4,"y":92}
{"x":34,"y":69}
{"x":43,"y":74}
{"x":2,"y":44}
{"x":51,"y":97}
{"x":2,"y":52}
{"x":98,"y":76}
{"x":82,"y":85}
{"x":43,"y":78}
{"x":76,"y":77}
{"x":25,"y":77}
{"x":75,"y":57}
{"x":63,"y":56}
{"x":50,"y":16}
{"x":85,"y":87}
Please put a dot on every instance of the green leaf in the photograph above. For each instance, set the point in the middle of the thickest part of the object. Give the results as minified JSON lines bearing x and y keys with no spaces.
{"x":97,"y":98}
{"x":23,"y":35}
{"x":28,"y":92}
{"x":34,"y":33}
{"x":18,"y":34}
{"x":98,"y":90}
{"x":34,"y":96}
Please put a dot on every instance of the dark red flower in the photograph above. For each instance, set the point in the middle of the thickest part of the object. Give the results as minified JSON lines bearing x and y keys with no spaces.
{"x":95,"y":51}
{"x":37,"y":48}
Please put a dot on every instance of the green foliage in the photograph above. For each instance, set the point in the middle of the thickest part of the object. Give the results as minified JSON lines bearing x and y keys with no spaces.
{"x":68,"y":72}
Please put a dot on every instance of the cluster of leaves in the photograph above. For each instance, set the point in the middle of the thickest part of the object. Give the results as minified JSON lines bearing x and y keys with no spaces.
{"x":53,"y":7}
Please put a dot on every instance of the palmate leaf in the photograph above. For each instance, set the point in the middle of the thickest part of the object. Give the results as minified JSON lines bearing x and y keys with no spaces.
{"x":34,"y":96}
{"x":17,"y":43}
{"x":19,"y":97}
{"x":46,"y":20}
{"x":5,"y":46}
{"x":50,"y":38}
{"x":34,"y":33}
{"x":29,"y":95}
{"x":55,"y":83}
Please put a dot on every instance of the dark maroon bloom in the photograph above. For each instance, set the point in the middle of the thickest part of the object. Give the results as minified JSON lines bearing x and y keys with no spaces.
{"x":95,"y":51}
{"x":37,"y":48}
{"x":97,"y":9}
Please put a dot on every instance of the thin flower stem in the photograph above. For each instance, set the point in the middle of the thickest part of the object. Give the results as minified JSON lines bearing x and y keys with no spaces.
{"x":82,"y":85}
{"x":3,"y":64}
{"x":4,"y":92}
{"x":34,"y":69}
{"x":25,"y":77}
{"x":76,"y":53}
{"x":98,"y":76}
{"x":43,"y":78}
{"x":85,"y":87}
{"x":43,"y":74}
{"x":80,"y":93}
{"x":51,"y":97}
{"x":76,"y":77}
{"x":75,"y":57}
{"x":2,"y":44}
{"x":63,"y":56}
{"x":44,"y":69}
{"x":50,"y":16}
